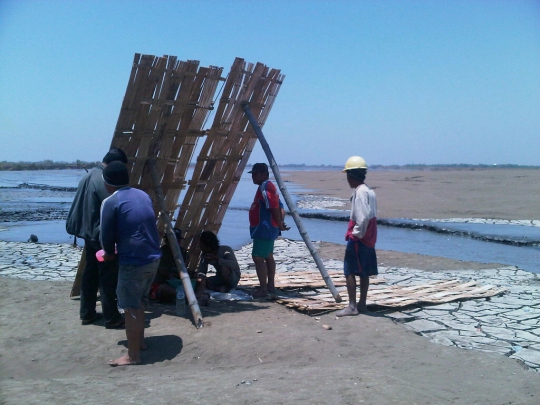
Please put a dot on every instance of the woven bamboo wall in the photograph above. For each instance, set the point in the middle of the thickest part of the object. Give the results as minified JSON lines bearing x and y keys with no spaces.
{"x":226,"y":149}
{"x":164,"y":111}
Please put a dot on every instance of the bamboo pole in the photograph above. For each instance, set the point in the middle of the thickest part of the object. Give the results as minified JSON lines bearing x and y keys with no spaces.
{"x":290,"y":203}
{"x":184,"y":276}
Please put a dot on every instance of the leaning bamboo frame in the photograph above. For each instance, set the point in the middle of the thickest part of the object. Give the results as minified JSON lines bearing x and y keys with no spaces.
{"x":165,"y":107}
{"x":226,"y":151}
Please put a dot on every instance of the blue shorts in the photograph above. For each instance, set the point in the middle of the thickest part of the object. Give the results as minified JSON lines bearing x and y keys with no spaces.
{"x":262,"y":247}
{"x":134,"y":284}
{"x":360,"y":260}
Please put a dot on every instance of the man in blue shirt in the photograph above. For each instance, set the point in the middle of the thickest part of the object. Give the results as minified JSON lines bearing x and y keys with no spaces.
{"x":129,"y":232}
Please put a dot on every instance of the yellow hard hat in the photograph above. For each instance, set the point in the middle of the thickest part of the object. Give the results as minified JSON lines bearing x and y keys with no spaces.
{"x":355,"y":162}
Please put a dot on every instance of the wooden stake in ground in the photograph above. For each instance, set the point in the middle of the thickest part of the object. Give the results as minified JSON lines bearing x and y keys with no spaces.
{"x":290,"y":203}
{"x":76,"y":288}
{"x":180,"y":265}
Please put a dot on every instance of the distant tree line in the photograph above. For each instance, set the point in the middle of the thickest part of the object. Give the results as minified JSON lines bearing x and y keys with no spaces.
{"x":459,"y":166}
{"x":46,"y":165}
{"x":419,"y":167}
{"x":79,"y":164}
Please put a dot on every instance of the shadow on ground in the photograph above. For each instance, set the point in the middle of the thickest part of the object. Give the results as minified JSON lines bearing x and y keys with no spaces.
{"x":169,"y":347}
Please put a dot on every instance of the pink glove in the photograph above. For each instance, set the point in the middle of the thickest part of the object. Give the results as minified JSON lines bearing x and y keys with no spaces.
{"x":99,"y":255}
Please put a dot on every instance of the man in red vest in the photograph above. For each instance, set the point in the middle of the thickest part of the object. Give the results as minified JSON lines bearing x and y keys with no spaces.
{"x":265,"y":224}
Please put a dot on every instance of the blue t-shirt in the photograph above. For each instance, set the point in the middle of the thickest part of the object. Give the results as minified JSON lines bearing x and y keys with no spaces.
{"x":128,"y":220}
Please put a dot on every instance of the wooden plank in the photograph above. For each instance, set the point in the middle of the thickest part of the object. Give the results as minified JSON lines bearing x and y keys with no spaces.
{"x":76,"y":287}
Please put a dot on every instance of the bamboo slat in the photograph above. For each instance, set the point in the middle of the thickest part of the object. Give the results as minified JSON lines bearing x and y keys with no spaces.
{"x":307,"y":279}
{"x":166,"y":104}
{"x":311,"y":300}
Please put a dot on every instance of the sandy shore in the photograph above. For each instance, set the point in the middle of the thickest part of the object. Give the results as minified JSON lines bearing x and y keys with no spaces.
{"x":262,"y":352}
{"x":253,"y":352}
{"x":488,"y":193}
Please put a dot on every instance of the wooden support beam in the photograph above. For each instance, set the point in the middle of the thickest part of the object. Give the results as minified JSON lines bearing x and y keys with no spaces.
{"x":181,"y":266}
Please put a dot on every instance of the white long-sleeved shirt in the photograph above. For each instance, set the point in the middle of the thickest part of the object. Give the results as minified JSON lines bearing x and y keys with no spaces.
{"x":364,"y":213}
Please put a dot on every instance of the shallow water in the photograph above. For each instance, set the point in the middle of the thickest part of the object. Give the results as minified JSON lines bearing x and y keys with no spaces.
{"x":235,"y":233}
{"x":510,"y":234}
{"x":402,"y":240}
{"x":60,"y":178}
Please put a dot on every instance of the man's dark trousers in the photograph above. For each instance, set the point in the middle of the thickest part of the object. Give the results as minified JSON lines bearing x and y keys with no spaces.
{"x":102,"y":276}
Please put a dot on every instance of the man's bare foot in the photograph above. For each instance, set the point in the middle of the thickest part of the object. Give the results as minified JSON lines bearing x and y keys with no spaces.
{"x":123,"y":361}
{"x":259,"y":293}
{"x":347,"y":311}
{"x":271,"y":288}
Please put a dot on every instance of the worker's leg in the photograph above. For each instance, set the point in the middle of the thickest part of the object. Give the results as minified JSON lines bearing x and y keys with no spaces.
{"x":351,"y":308}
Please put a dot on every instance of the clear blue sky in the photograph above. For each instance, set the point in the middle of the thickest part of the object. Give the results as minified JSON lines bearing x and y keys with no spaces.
{"x":397,"y":82}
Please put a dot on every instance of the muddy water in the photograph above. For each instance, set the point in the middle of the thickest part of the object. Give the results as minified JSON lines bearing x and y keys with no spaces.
{"x":41,"y":211}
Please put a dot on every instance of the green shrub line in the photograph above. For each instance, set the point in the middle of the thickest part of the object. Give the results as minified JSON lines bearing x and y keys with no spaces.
{"x":79,"y":164}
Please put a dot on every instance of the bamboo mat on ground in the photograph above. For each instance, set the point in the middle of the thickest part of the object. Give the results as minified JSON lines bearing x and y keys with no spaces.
{"x":308,"y":279}
{"x":306,"y":292}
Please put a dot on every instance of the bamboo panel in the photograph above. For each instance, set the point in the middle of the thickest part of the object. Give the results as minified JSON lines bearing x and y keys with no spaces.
{"x":147,"y":83}
{"x":131,"y":105}
{"x":165,"y":106}
{"x":149,"y":125}
{"x":394,"y":296}
{"x":76,"y":287}
{"x":177,"y":82}
{"x":188,"y":134}
{"x":302,"y":279}
{"x":238,"y":149}
{"x":189,"y":218}
{"x":225,"y":151}
{"x":175,"y":170}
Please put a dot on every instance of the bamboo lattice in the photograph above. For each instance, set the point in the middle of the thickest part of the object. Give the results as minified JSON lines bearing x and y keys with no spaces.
{"x":165,"y":108}
{"x":301,"y":279}
{"x":162,"y":116}
{"x":311,"y":296}
{"x":226,"y":149}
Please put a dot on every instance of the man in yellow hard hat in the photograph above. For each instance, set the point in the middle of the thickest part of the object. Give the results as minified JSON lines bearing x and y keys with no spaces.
{"x":360,"y":257}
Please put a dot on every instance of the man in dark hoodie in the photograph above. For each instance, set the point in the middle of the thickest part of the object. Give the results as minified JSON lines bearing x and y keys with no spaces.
{"x":83,"y":221}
